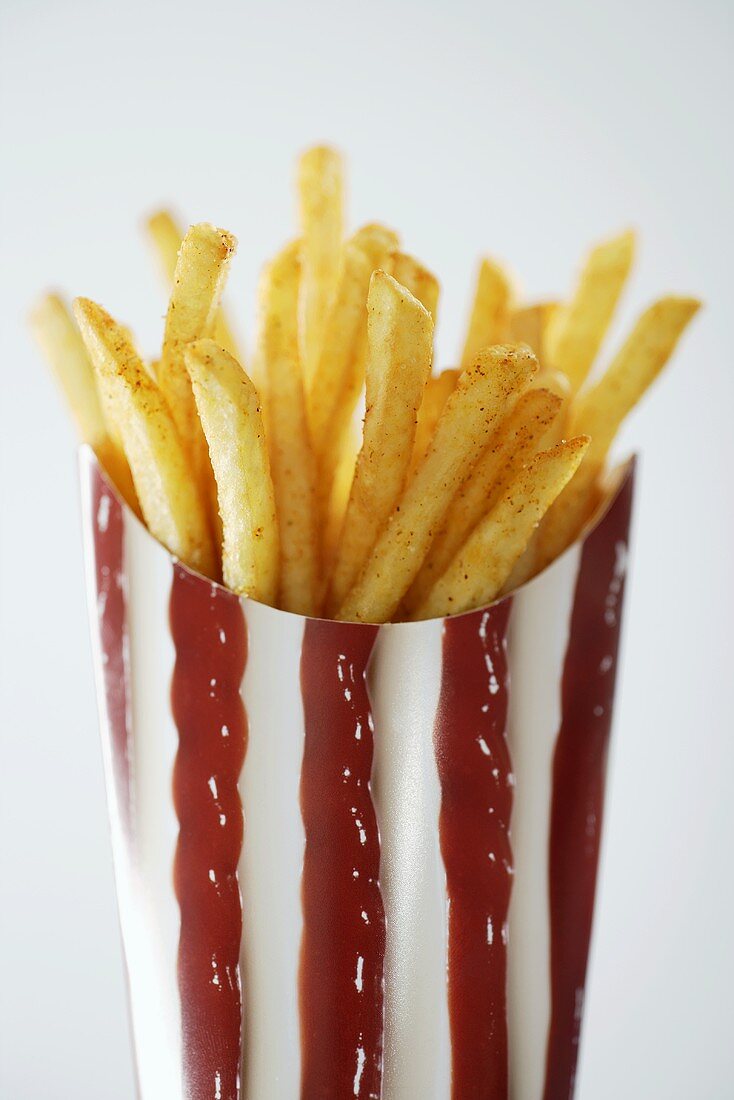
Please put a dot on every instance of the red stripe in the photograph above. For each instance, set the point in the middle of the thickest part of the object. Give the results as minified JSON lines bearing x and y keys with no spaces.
{"x":208,"y":630}
{"x":343,"y":945}
{"x":579,"y":767}
{"x":476,"y":801}
{"x":108,"y":529}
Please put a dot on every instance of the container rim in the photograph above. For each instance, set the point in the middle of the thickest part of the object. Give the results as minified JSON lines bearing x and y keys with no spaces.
{"x":614,"y":482}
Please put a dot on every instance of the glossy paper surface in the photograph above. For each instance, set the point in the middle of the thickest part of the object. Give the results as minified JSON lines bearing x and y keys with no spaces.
{"x":353,"y":860}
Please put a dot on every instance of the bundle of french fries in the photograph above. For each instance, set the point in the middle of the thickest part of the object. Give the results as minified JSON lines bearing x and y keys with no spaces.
{"x":461,"y":485}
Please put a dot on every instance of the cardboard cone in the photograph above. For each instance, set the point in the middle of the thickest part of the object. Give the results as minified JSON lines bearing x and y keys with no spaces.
{"x":353,"y":861}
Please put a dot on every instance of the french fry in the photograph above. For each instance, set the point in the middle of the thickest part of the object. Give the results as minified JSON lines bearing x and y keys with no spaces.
{"x":339,"y":373}
{"x":64,"y":350}
{"x":529,"y":325}
{"x":512,"y":446}
{"x":320,"y":201}
{"x":554,"y":381}
{"x":291,"y":456}
{"x":463,"y":431}
{"x":378,"y":241}
{"x":314,"y":508}
{"x":400,"y":341}
{"x":336,"y":507}
{"x":166,"y":236}
{"x":169,"y":497}
{"x":201,"y":271}
{"x":437,"y":392}
{"x":577,"y":502}
{"x":416,"y":278}
{"x":229,"y":409}
{"x":557,"y":384}
{"x":601,"y":409}
{"x":490,"y":315}
{"x":476,"y":574}
{"x":578,"y":328}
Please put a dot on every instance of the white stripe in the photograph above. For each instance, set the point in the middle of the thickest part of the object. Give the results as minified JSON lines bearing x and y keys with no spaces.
{"x":87,"y":469}
{"x":272,"y":856}
{"x":538,"y":637}
{"x":149,"y":917}
{"x":405,"y":681}
{"x":151,"y":922}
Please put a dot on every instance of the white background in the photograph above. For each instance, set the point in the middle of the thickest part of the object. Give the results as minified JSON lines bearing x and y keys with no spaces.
{"x":524,"y":130}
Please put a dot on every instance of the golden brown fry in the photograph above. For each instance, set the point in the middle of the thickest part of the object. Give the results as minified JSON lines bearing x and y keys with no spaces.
{"x":340,"y":489}
{"x":599,"y":412}
{"x":512,"y":446}
{"x":554,"y":381}
{"x":339,"y":373}
{"x":201,"y":271}
{"x":463,"y":431}
{"x":378,"y":241}
{"x":400,"y":338}
{"x":416,"y":278}
{"x":476,"y":574}
{"x":320,"y":206}
{"x":578,"y":328}
{"x":563,"y":522}
{"x":64,"y":350}
{"x":529,"y":325}
{"x":490,"y":315}
{"x":601,"y":409}
{"x":169,"y":497}
{"x":557,"y":384}
{"x":291,"y":457}
{"x":229,"y":409}
{"x":166,"y":236}
{"x":437,"y":392}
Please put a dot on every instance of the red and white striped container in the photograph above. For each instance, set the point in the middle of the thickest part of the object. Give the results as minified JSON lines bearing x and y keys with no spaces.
{"x":353,"y":861}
